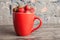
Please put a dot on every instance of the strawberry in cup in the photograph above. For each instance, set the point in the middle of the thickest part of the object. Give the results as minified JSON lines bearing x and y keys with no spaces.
{"x":24,"y":9}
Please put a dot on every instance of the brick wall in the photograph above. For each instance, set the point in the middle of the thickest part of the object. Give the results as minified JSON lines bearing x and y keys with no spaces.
{"x":52,"y":15}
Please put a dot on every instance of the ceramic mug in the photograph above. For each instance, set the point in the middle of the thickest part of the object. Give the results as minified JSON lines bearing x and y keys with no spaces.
{"x":23,"y":23}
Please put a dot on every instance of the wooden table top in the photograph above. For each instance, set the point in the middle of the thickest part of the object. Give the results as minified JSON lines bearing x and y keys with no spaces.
{"x":46,"y":32}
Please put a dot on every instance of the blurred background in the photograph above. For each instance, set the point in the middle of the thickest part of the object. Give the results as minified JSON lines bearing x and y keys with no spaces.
{"x":48,"y":10}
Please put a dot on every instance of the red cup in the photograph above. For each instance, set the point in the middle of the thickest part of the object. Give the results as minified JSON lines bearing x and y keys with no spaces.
{"x":23,"y":23}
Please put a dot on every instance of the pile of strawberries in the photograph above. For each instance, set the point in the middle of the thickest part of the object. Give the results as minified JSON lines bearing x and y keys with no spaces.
{"x":23,"y":9}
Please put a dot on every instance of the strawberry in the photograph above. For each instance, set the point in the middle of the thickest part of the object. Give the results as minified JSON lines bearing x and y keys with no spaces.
{"x":27,"y":7}
{"x":20,"y":9}
{"x":32,"y":10}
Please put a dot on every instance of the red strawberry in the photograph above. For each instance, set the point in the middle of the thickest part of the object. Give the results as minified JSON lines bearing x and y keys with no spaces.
{"x":32,"y":10}
{"x":20,"y":9}
{"x":27,"y":7}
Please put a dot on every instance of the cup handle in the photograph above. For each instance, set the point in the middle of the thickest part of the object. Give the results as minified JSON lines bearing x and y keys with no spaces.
{"x":35,"y":17}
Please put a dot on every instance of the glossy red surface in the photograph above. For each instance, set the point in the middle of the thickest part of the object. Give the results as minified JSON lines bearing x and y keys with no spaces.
{"x":23,"y":23}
